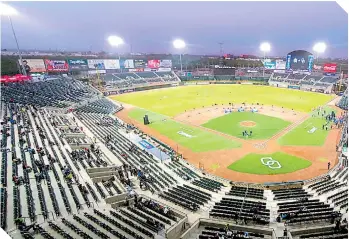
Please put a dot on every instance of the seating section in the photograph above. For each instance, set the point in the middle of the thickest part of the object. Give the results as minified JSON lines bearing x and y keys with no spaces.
{"x":238,"y":209}
{"x":102,"y":106}
{"x":59,"y":92}
{"x":246,"y":192}
{"x":278,"y":77}
{"x":210,"y":232}
{"x":327,"y":233}
{"x":65,"y":158}
{"x":186,"y":196}
{"x":284,"y":194}
{"x":343,"y":102}
{"x":305,"y":211}
{"x":134,"y":79}
{"x":208,"y":184}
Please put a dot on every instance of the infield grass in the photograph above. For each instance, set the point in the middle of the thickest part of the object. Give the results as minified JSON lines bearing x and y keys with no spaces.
{"x":302,"y":134}
{"x":252,"y":164}
{"x":196,"y":139}
{"x":173,"y":101}
{"x":266,"y":126}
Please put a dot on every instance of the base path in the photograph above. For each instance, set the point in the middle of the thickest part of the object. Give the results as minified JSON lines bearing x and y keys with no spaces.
{"x":216,"y":162}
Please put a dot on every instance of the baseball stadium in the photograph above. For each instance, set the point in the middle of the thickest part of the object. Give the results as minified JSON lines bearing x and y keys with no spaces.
{"x":170,"y":146}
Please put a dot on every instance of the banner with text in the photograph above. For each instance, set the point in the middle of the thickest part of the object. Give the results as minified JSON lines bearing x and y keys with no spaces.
{"x":139,"y":63}
{"x":317,"y":67}
{"x":94,"y":72}
{"x":77,"y":64}
{"x":126,"y":63}
{"x":111,"y":64}
{"x":35,"y":65}
{"x":166,"y":63}
{"x":330,"y":67}
{"x":280,"y":64}
{"x":268,"y":64}
{"x":97,"y":64}
{"x":153,"y":64}
{"x":56,"y":65}
{"x":136,"y":70}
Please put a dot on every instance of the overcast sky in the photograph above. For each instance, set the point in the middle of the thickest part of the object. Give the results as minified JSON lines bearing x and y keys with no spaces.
{"x":151,"y":26}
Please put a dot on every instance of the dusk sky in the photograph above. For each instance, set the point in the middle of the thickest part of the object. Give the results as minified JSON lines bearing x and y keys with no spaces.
{"x":150,"y":27}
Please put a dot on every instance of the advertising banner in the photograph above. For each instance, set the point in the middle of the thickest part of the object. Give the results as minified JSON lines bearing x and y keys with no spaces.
{"x":34,"y":65}
{"x":270,"y":65}
{"x":310,"y":62}
{"x":297,"y":87}
{"x":126,"y":64}
{"x":136,"y":70}
{"x":166,"y":63}
{"x":111,"y":64}
{"x":288,"y":61}
{"x":97,"y":64}
{"x":56,"y":65}
{"x":153,"y":64}
{"x":330,"y":67}
{"x":280,"y":64}
{"x":317,"y":67}
{"x":329,"y":74}
{"x":147,"y":69}
{"x":139,"y":63}
{"x":77,"y":64}
{"x":164,"y":69}
{"x":93,"y":72}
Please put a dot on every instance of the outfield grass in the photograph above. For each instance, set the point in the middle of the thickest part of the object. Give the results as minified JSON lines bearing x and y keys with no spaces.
{"x":252,"y":164}
{"x":300,"y":135}
{"x":173,"y":101}
{"x":266,"y":126}
{"x":197,"y":140}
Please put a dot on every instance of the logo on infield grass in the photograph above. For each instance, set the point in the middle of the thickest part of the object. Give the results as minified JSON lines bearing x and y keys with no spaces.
{"x":185,"y":134}
{"x":270,"y":162}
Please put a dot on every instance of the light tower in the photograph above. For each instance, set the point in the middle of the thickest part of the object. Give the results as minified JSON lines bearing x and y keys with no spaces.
{"x":6,"y":10}
{"x":264,"y":47}
{"x":179,"y":44}
{"x":319,"y":48}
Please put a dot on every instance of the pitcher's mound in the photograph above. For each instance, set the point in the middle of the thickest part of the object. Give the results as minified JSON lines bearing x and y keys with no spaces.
{"x":248,"y":123}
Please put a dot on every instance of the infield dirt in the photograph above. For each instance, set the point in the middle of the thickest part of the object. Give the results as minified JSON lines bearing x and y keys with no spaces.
{"x":216,"y":162}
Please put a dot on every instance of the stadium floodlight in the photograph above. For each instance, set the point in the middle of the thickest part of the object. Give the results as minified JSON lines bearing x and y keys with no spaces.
{"x":8,"y":11}
{"x":264,"y":47}
{"x":115,"y":41}
{"x":179,"y":44}
{"x":319,"y":48}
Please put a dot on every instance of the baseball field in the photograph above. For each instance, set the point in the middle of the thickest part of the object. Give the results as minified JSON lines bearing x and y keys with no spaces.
{"x":204,"y":123}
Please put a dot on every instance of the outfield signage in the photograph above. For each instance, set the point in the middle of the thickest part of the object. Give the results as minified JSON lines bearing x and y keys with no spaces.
{"x":33,"y":65}
{"x":297,"y":87}
{"x":166,"y":64}
{"x":77,"y":64}
{"x":56,"y":65}
{"x":97,"y":64}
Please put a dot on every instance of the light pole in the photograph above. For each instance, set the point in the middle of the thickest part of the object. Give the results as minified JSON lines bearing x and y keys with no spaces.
{"x":6,"y":10}
{"x":264,"y":47}
{"x":319,"y":48}
{"x":179,"y":44}
{"x":116,"y":41}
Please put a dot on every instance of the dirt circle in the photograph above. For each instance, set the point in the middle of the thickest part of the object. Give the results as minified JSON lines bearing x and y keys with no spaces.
{"x":248,"y":123}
